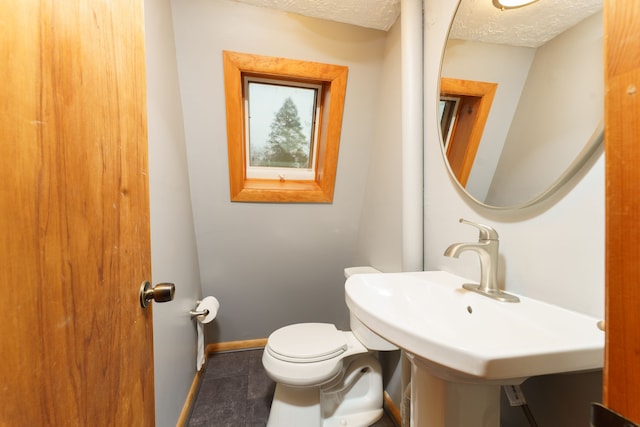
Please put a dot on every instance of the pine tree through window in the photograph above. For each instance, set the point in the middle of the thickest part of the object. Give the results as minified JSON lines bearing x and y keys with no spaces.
{"x":281,"y":130}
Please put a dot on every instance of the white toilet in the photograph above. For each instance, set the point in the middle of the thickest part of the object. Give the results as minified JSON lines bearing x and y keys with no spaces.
{"x":325,"y":377}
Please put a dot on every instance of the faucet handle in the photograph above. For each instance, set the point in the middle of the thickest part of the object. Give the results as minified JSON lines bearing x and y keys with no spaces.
{"x":486,"y":232}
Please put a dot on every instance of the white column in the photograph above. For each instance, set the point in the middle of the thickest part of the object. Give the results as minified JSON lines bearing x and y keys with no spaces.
{"x":412,"y":134}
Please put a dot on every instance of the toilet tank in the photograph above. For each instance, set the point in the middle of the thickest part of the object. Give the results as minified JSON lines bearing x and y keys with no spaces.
{"x":366,"y":336}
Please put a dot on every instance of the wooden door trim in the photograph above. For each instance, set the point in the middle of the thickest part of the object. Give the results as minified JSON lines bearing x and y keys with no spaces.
{"x":621,"y":383}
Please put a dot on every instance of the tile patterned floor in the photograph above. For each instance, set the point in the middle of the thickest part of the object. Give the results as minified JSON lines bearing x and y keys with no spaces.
{"x":236,"y":392}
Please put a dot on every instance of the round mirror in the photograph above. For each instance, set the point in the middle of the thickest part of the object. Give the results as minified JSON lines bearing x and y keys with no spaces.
{"x":521,"y":97}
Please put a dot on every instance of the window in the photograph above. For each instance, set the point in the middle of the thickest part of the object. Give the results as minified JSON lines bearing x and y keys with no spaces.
{"x":464,"y":128}
{"x":448,"y":113}
{"x":281,"y":131}
{"x":284,"y":119}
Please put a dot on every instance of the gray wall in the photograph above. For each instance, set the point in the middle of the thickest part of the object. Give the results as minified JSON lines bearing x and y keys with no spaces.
{"x":272,"y":264}
{"x":379,"y":241}
{"x":173,"y":250}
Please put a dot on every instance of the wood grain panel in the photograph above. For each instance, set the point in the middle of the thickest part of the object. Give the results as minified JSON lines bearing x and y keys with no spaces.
{"x":622,"y":147}
{"x":76,"y":347}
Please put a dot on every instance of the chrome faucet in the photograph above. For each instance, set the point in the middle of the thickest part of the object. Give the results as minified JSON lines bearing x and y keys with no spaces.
{"x":487,"y":250}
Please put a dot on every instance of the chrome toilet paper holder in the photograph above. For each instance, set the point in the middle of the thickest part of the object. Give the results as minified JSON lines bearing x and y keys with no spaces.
{"x":196,"y":313}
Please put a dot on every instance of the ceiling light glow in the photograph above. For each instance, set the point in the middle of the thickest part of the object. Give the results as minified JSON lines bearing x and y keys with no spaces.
{"x":511,"y":4}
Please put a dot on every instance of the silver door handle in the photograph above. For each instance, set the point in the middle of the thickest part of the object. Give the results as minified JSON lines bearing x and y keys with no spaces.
{"x":162,"y":292}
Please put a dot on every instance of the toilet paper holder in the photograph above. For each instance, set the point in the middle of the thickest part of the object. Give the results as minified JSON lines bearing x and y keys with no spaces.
{"x":205,"y":310}
{"x":196,"y":313}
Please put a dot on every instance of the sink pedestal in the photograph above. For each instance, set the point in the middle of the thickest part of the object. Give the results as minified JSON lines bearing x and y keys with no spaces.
{"x":436,"y":402}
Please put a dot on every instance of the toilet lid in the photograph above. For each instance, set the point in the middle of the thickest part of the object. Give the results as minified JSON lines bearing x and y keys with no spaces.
{"x":306,"y":342}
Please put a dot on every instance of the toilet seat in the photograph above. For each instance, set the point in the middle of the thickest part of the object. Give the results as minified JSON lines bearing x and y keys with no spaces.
{"x":307,"y":343}
{"x":306,"y":354}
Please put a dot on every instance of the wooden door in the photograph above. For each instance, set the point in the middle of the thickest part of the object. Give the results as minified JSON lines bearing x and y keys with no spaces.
{"x":622,"y":152}
{"x":75,"y":347}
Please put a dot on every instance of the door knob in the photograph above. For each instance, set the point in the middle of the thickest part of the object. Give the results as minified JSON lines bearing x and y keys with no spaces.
{"x":162,"y":292}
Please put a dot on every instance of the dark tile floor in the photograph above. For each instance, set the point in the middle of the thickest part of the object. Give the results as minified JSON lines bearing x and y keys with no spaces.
{"x":235,"y":391}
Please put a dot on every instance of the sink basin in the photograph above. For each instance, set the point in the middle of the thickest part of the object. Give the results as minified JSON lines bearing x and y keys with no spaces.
{"x":466,"y":337}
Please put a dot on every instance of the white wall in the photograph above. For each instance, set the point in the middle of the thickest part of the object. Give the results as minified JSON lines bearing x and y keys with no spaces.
{"x":173,"y":250}
{"x":272,"y":264}
{"x":554,"y":252}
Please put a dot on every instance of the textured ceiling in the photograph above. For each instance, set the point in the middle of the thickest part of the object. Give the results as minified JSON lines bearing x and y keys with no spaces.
{"x":531,"y":26}
{"x":378,"y":14}
{"x":479,"y":20}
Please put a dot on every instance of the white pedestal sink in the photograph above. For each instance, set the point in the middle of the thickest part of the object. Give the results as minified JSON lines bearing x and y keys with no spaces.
{"x":464,"y":346}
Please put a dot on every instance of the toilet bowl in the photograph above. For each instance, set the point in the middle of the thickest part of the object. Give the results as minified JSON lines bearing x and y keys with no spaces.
{"x":325,"y":377}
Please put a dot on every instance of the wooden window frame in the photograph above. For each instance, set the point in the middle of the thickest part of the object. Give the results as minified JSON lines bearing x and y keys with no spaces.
{"x":473,"y":110}
{"x":333,"y":79}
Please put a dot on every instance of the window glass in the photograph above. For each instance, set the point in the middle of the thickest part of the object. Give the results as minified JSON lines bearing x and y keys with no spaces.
{"x":281,"y":129}
{"x":448,"y":114}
